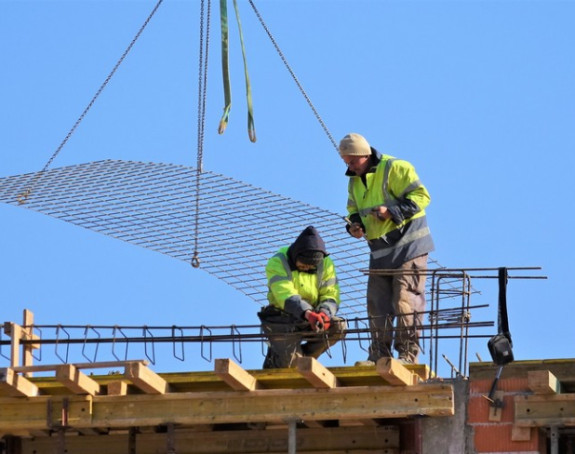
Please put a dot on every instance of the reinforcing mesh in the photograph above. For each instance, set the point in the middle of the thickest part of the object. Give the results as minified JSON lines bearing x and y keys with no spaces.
{"x":153,"y":205}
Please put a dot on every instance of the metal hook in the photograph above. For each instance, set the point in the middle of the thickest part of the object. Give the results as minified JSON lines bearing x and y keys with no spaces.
{"x":88,"y":327}
{"x":174,"y":328}
{"x":146,"y":331}
{"x":116,"y":327}
{"x":58,"y":328}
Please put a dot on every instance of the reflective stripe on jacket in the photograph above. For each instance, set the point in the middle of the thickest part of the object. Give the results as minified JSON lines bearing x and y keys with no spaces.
{"x":395,"y":184}
{"x":315,"y":288}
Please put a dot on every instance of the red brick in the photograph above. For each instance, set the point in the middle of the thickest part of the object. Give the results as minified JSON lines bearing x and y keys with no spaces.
{"x":481,"y":410}
{"x":497,"y":438}
{"x":477,"y":410}
{"x":504,"y":384}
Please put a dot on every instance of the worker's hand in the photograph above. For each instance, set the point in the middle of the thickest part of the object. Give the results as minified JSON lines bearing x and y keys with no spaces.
{"x":315,"y":320}
{"x":325,"y":319}
{"x":355,"y":230}
{"x":381,"y":213}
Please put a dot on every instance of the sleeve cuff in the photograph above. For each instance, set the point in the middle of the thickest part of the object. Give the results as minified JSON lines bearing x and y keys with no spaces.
{"x":296,"y":306}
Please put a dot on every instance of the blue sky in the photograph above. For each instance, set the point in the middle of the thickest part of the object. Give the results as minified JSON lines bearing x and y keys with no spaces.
{"x":478,"y":95}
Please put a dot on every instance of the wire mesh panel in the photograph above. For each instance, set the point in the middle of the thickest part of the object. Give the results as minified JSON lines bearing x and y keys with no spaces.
{"x":153,"y":205}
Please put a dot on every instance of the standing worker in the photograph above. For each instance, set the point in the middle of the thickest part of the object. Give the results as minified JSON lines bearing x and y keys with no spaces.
{"x":386,"y":205}
{"x":303,"y":296}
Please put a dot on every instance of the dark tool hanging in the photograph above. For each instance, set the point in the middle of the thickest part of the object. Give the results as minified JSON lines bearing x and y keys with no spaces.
{"x":500,"y":345}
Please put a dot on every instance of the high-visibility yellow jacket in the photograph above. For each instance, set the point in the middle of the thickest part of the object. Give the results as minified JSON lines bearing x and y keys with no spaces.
{"x":393,"y":183}
{"x":295,"y":291}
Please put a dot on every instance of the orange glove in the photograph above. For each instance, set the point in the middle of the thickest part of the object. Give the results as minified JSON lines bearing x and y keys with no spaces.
{"x":318,"y":321}
{"x":325,"y":320}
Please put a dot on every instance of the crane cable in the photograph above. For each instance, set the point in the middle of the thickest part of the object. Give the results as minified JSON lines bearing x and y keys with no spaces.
{"x":202,"y":95}
{"x":22,"y":197}
{"x":284,"y":60}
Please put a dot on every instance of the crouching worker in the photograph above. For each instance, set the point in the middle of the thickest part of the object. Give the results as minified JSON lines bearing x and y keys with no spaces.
{"x":303,"y":296}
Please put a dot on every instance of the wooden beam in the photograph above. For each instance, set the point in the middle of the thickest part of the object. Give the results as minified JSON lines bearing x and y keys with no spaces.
{"x":94,"y":365}
{"x":28,"y":334}
{"x":315,"y":373}
{"x":235,"y":376}
{"x":520,"y":433}
{"x":358,"y":422}
{"x":42,"y":412}
{"x":76,"y":381}
{"x":545,"y":410}
{"x":394,"y":372}
{"x":264,"y":405}
{"x":15,"y":332}
{"x":563,"y":369}
{"x":543,"y":382}
{"x":237,"y":407}
{"x":333,"y":440}
{"x":145,"y":379}
{"x":14,"y":385}
{"x":117,"y":388}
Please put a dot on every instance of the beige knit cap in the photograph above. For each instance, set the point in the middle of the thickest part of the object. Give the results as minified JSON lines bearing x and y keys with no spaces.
{"x":354,"y":145}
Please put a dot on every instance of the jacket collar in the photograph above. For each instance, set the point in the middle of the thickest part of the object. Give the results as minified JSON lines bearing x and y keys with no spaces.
{"x":375,"y":159}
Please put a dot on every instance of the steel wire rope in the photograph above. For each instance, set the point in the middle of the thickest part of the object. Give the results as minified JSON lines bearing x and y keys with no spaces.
{"x":202,"y":95}
{"x":290,"y":70}
{"x":24,"y":195}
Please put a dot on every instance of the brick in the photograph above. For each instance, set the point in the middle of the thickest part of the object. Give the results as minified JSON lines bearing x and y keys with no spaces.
{"x":504,"y":384}
{"x":478,"y":410}
{"x":497,"y":438}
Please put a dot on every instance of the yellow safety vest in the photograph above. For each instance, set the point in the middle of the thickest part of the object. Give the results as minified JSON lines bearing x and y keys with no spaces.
{"x":393,"y":180}
{"x":312,"y":287}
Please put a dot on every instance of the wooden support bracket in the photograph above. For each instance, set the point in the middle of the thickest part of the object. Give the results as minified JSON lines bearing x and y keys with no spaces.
{"x":76,"y":381}
{"x":146,"y":379}
{"x":14,"y":385}
{"x":394,"y":372}
{"x":236,"y":377}
{"x":543,"y":382}
{"x":496,"y":406}
{"x":118,"y":388}
{"x":316,"y":373}
{"x":545,"y":410}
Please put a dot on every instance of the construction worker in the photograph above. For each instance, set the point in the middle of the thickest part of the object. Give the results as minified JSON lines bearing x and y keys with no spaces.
{"x":303,"y":296}
{"x":386,"y":206}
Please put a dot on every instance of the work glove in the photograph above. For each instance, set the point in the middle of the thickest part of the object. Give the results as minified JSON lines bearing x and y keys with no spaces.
{"x":318,"y":321}
{"x":325,"y":320}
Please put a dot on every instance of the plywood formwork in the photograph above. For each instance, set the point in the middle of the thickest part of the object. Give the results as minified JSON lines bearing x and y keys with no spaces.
{"x":347,"y":409}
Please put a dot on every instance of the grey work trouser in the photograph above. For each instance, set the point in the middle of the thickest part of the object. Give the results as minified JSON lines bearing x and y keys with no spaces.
{"x":290,"y":338}
{"x":397,"y":298}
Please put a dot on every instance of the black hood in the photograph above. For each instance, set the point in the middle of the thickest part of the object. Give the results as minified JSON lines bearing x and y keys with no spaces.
{"x":308,"y":240}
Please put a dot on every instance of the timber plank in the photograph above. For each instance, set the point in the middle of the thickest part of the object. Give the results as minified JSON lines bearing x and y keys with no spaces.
{"x":146,"y":379}
{"x":76,"y":381}
{"x":14,"y":385}
{"x":266,"y":405}
{"x":43,"y":412}
{"x":394,"y":372}
{"x":236,"y":377}
{"x":545,"y":410}
{"x":316,"y":373}
{"x":137,"y":410}
{"x":288,"y":378}
{"x":543,"y":382}
{"x":563,"y":369}
{"x":384,"y":439}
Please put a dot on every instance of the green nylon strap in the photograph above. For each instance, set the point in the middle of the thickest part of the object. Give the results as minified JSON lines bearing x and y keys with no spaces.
{"x":225,"y":66}
{"x":251,"y":127}
{"x":225,"y":71}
